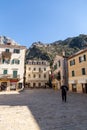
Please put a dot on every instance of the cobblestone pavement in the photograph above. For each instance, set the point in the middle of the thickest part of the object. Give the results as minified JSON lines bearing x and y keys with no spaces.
{"x":42,"y":109}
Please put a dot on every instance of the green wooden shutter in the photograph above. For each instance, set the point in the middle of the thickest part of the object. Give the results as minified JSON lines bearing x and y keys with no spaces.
{"x":4,"y":71}
{"x":18,"y":61}
{"x":14,"y":74}
{"x":13,"y":61}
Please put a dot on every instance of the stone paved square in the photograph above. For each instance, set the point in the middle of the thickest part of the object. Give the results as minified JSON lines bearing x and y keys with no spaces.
{"x":42,"y":109}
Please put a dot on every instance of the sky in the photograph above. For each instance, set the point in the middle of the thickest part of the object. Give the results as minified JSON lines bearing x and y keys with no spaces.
{"x":28,"y":21}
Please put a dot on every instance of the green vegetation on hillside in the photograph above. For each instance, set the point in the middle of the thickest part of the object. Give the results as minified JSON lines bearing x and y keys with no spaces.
{"x":47,"y":52}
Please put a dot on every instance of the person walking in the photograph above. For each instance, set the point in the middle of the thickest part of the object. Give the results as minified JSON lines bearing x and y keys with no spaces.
{"x":64,"y":90}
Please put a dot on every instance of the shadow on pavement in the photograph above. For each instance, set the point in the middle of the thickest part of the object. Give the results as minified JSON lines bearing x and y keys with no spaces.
{"x":47,"y":109}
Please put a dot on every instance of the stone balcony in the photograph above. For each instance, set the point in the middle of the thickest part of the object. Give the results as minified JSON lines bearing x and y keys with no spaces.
{"x":8,"y":76}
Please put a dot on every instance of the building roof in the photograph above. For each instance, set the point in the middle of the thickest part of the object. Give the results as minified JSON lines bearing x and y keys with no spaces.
{"x":78,"y":53}
{"x":37,"y":62}
{"x":12,"y":46}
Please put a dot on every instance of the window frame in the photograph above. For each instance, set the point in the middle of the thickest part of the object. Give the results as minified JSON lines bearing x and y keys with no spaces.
{"x":17,"y":51}
{"x":83,"y":71}
{"x":73,"y":73}
{"x":72,"y":62}
{"x":82,"y":58}
{"x":7,"y":50}
{"x":5,"y":71}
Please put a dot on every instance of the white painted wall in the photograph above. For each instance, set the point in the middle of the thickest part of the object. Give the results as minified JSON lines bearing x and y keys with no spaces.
{"x":10,"y":67}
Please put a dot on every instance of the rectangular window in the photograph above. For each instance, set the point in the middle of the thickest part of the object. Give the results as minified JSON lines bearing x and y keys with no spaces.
{"x":83,"y":71}
{"x":82,"y":58}
{"x":16,"y":51}
{"x":4,"y":71}
{"x":73,"y":73}
{"x":39,"y":69}
{"x":7,"y":50}
{"x":72,"y":62}
{"x":12,"y":61}
{"x":44,"y":75}
{"x":43,"y":63}
{"x":34,"y":63}
{"x":34,"y":69}
{"x":79,"y":59}
{"x":39,"y":76}
{"x":34,"y":76}
{"x":29,"y":68}
{"x":7,"y":61}
{"x":14,"y":74}
{"x":44,"y":69}
{"x":28,"y":62}
{"x":29,"y":75}
{"x":15,"y":61}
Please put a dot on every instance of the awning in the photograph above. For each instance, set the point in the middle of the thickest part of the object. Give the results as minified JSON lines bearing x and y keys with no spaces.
{"x":14,"y":80}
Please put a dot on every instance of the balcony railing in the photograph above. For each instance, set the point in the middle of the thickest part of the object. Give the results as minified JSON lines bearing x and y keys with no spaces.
{"x":9,"y":76}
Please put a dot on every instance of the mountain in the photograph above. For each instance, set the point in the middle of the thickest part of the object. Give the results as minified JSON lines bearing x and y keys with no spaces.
{"x":43,"y":51}
{"x":7,"y":40}
{"x":39,"y":50}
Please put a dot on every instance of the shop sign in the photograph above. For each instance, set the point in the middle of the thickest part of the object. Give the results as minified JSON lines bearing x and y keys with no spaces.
{"x":4,"y":80}
{"x":13,"y":80}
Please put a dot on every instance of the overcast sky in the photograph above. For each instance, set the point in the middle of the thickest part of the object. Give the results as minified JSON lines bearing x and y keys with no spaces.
{"x":28,"y":21}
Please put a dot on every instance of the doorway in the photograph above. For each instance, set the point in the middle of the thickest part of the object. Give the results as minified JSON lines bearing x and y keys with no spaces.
{"x":3,"y":86}
{"x":74,"y":89}
{"x":84,"y":88}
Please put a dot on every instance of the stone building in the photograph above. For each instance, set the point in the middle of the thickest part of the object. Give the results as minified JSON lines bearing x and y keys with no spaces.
{"x":11,"y":66}
{"x":59,"y":71}
{"x":37,"y":73}
{"x":77,"y":71}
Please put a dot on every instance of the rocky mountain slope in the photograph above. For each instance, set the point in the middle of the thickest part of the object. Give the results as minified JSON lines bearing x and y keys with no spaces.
{"x":43,"y":51}
{"x":7,"y":40}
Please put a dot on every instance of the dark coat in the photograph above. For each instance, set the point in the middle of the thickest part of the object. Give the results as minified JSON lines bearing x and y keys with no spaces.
{"x":64,"y":89}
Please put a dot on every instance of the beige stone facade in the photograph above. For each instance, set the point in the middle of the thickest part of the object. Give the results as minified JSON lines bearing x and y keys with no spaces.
{"x":60,"y":72}
{"x":37,"y":73}
{"x":77,"y":71}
